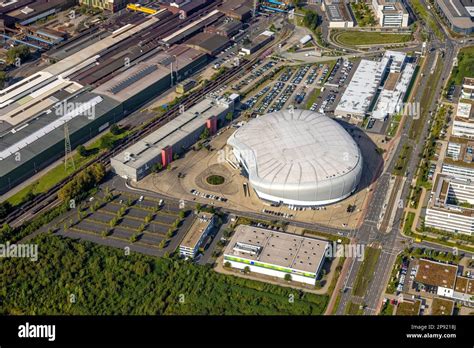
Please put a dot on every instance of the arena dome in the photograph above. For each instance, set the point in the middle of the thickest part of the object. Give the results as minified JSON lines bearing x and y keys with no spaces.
{"x":298,"y":158}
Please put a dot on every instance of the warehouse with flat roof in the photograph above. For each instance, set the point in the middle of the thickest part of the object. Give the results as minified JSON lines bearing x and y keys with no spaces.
{"x":458,"y":13}
{"x":174,"y":137}
{"x":276,"y":253}
{"x":359,"y":94}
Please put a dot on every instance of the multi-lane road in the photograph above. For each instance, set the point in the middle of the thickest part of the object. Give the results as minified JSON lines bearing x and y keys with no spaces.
{"x":392,"y":242}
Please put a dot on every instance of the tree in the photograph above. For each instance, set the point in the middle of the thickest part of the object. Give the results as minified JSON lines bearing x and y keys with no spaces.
{"x":106,"y":142}
{"x":227,"y":264}
{"x":113,"y":222}
{"x":82,"y":182}
{"x":182,"y":214}
{"x":5,"y":209}
{"x":206,"y":133}
{"x":22,"y":52}
{"x":246,"y":269}
{"x":6,"y":230}
{"x":82,"y":151}
{"x":156,"y":167}
{"x":198,"y":207}
{"x":134,"y":237}
{"x":288,"y":277}
{"x":229,"y":117}
{"x":311,"y":20}
{"x":3,"y":78}
{"x":115,"y":130}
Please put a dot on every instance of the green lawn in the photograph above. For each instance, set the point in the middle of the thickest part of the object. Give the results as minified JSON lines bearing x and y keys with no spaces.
{"x":402,"y":161}
{"x":465,"y":66}
{"x":354,"y":309}
{"x":394,"y":122}
{"x":364,"y":276}
{"x":387,"y":309}
{"x":313,"y":97}
{"x":355,"y":38}
{"x":58,"y":173}
{"x":426,"y":99}
{"x":408,"y":223}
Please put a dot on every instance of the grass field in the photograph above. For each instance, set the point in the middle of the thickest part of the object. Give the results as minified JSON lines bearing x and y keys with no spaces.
{"x":465,"y":66}
{"x":356,"y":38}
{"x":313,"y":97}
{"x":366,"y":271}
{"x":402,"y":161}
{"x":408,"y":223}
{"x":387,"y":309}
{"x":394,"y":122}
{"x":426,"y":99}
{"x":354,"y":309}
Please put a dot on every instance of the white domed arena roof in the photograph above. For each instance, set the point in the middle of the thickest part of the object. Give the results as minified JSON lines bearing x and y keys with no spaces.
{"x":298,"y":157}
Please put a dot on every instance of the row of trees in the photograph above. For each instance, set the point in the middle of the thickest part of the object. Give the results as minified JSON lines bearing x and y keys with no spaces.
{"x":82,"y":182}
{"x":21,"y":52}
{"x":105,"y":281}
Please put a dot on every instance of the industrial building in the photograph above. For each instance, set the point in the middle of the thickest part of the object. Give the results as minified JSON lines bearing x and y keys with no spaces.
{"x":458,"y":14}
{"x":259,"y":42}
{"x":227,"y":28}
{"x":94,"y":80}
{"x":276,"y":253}
{"x":298,"y":158}
{"x":185,"y":86}
{"x":26,"y":12}
{"x":109,"y":5}
{"x":237,"y":9}
{"x":196,"y":235}
{"x":175,"y":137}
{"x":359,"y":94}
{"x":391,"y":13}
{"x":338,"y":14}
{"x":209,"y":43}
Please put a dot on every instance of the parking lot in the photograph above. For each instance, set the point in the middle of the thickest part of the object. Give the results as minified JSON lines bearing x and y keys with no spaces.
{"x":334,"y":87}
{"x":143,"y":224}
{"x":291,"y":87}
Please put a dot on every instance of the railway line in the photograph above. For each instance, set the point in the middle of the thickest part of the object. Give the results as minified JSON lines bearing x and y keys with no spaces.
{"x":48,"y":199}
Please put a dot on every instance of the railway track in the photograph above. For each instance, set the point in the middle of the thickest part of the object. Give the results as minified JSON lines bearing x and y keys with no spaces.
{"x":48,"y":199}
